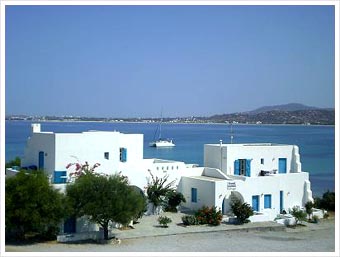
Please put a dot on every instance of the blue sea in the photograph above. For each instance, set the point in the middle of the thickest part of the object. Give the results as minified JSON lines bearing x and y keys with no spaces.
{"x":316,"y":143}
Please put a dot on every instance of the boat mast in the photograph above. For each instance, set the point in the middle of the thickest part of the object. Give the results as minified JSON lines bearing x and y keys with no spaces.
{"x":231,"y":133}
{"x":160,"y":125}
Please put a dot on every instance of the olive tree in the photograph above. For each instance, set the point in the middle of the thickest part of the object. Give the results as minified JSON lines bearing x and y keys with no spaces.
{"x":104,"y":199}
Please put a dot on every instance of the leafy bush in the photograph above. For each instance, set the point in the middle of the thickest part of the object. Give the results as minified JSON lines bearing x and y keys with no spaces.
{"x":33,"y":206}
{"x":315,"y":219}
{"x":242,"y":211}
{"x":298,"y":214}
{"x":309,"y":208}
{"x":164,"y":221}
{"x":157,"y":190}
{"x":327,"y":202}
{"x":189,"y":220}
{"x":15,"y":162}
{"x":174,"y":199}
{"x":210,"y":216}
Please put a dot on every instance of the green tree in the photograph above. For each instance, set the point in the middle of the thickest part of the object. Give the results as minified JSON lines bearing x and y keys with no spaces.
{"x":15,"y":162}
{"x":157,"y":190}
{"x":104,"y":199}
{"x":309,"y":208}
{"x":242,"y":211}
{"x":298,"y":214}
{"x":32,"y":206}
{"x":327,"y":202}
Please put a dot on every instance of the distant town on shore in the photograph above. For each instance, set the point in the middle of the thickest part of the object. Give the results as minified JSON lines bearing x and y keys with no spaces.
{"x":279,"y":114}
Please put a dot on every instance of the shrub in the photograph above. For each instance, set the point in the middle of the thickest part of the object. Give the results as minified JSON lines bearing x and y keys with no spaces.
{"x":164,"y":221}
{"x":326,"y":216}
{"x":189,"y":220}
{"x":210,"y":216}
{"x":157,"y":190}
{"x":309,"y":208}
{"x":33,"y":206}
{"x":315,"y":219}
{"x":298,"y":214}
{"x":327,"y":202}
{"x":242,"y":211}
{"x":174,"y":199}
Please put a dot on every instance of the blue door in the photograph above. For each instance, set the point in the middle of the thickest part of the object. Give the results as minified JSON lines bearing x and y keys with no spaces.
{"x":41,"y":160}
{"x":70,"y":225}
{"x":267,"y":201}
{"x":255,"y":203}
{"x":282,"y":165}
{"x":281,"y":201}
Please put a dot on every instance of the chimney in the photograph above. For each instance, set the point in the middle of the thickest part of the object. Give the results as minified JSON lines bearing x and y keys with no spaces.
{"x":36,"y":128}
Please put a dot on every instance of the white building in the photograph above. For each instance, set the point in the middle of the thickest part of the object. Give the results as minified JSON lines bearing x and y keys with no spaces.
{"x":114,"y":151}
{"x":267,"y":176}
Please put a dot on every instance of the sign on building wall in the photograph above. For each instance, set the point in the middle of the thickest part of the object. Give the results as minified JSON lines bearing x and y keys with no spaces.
{"x":231,"y":186}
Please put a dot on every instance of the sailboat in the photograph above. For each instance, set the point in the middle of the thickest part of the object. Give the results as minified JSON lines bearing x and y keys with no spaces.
{"x":161,"y":142}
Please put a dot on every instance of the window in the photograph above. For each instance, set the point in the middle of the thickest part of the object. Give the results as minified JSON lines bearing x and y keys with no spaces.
{"x":262,"y":161}
{"x":267,"y":201}
{"x":122,"y":154}
{"x":194,"y":195}
{"x":106,"y":155}
{"x":242,"y":167}
{"x":60,"y":177}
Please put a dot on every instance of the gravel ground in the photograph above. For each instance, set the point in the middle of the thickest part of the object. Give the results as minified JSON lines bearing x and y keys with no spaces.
{"x":310,"y":238}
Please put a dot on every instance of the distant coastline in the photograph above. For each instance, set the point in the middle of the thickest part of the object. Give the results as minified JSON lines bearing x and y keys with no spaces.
{"x":168,"y":122}
{"x":289,"y":114}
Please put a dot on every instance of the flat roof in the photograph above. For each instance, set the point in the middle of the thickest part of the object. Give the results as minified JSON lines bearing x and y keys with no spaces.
{"x":206,"y":178}
{"x":249,"y":144}
{"x":164,"y":161}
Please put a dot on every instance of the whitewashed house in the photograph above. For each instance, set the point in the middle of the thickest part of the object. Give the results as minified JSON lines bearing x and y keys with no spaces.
{"x":267,"y":176}
{"x":114,"y":151}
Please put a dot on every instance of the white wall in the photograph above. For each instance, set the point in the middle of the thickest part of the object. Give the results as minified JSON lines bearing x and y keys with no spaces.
{"x":40,"y":142}
{"x":212,"y":192}
{"x":228,"y":153}
{"x":206,"y":193}
{"x":91,"y":146}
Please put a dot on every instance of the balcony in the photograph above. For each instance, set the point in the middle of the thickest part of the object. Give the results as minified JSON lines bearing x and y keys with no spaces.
{"x":268,"y":172}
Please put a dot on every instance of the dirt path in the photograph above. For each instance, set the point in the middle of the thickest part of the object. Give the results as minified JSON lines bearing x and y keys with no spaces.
{"x":311,"y":238}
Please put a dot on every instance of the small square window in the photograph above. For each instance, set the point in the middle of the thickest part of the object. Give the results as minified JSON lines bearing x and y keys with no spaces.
{"x":262,"y":161}
{"x":106,"y":155}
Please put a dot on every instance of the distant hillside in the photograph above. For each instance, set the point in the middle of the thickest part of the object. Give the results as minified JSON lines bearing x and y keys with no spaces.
{"x":281,"y":114}
{"x":284,"y":107}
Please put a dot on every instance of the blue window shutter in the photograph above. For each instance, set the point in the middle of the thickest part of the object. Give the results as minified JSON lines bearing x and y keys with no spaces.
{"x":237,"y":167}
{"x":124,"y":155}
{"x":248,"y":168}
{"x":267,"y":201}
{"x":281,"y":201}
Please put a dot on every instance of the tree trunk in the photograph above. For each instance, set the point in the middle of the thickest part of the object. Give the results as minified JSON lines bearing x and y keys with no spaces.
{"x":106,"y":232}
